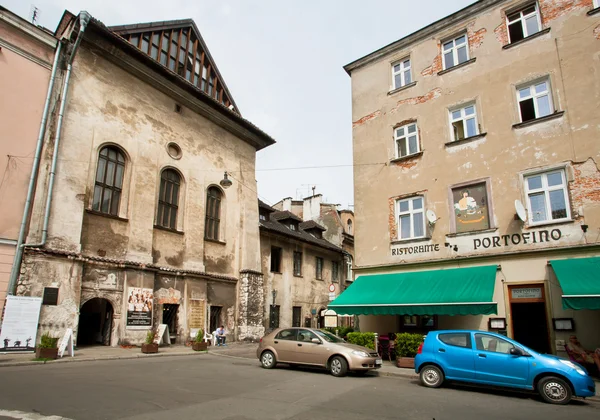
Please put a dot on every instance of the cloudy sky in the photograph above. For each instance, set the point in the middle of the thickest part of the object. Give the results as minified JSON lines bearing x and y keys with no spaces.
{"x":282,"y":61}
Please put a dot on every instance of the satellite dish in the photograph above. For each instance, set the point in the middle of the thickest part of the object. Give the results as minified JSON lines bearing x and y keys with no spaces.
{"x":431,"y":216}
{"x":521,"y":213}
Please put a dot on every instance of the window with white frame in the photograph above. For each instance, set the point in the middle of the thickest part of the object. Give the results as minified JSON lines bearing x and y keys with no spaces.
{"x":523,"y":23}
{"x":407,"y":140}
{"x":411,"y":220}
{"x":547,"y":196}
{"x":463,"y":122}
{"x":535,"y":100}
{"x":455,"y":51}
{"x":401,"y":73}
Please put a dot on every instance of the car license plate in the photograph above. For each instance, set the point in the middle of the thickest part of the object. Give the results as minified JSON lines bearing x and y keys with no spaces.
{"x":378,"y":362}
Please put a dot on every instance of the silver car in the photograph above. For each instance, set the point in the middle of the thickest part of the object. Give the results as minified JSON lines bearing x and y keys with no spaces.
{"x":308,"y":346}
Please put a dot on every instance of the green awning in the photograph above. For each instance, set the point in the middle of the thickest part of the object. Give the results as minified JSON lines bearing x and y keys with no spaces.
{"x":459,"y":291}
{"x":579,"y":279}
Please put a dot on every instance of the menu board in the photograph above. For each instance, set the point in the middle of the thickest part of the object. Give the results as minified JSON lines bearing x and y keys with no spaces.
{"x":197,"y":311}
{"x":19,"y":327}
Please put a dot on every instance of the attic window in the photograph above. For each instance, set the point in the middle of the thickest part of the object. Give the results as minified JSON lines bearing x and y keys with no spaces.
{"x":262,"y":217}
{"x":292,"y":226}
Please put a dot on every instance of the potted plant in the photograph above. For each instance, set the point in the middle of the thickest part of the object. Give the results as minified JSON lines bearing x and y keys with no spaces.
{"x":406,"y":346}
{"x":150,"y":346}
{"x":48,"y":348}
{"x":199,"y":344}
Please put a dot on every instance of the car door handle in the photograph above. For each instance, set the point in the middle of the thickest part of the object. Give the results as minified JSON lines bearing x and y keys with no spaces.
{"x":442,"y":350}
{"x":299,"y":345}
{"x":482,"y":355}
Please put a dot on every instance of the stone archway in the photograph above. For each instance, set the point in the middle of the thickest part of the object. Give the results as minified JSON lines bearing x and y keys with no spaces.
{"x":99,"y":317}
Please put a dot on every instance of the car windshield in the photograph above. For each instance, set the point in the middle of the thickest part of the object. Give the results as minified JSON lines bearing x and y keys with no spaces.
{"x":327,"y":336}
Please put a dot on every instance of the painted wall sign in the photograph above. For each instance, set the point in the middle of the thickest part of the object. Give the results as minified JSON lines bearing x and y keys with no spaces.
{"x":417,"y":249}
{"x":20,"y":324}
{"x":533,"y":237}
{"x":140,"y":302}
{"x":527,"y":293}
{"x":471,"y":208}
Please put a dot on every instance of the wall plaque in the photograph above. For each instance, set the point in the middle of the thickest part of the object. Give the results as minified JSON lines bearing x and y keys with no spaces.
{"x":50,"y":296}
{"x":197,"y":312}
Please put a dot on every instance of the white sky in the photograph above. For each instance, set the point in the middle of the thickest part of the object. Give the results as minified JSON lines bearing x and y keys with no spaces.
{"x":282,"y":61}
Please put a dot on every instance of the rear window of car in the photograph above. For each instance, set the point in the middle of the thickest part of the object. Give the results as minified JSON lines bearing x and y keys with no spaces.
{"x":286,"y":335}
{"x":456,"y":339}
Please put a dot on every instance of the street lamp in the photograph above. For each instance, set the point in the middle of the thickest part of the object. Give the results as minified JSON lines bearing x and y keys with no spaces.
{"x":225,"y":182}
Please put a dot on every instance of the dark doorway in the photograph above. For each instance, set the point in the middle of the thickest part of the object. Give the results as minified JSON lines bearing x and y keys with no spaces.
{"x":274,"y":317}
{"x":296,"y":316}
{"x":529,"y":325}
{"x":170,"y":318}
{"x":95,"y":323}
{"x":215,"y":317}
{"x":321,"y":319}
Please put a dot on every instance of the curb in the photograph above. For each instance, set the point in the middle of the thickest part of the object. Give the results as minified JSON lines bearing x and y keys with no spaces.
{"x":399,"y":374}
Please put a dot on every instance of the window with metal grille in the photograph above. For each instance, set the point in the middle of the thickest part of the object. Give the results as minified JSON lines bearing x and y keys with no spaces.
{"x":319,"y":268}
{"x":213,"y":212}
{"x":297,"y":263}
{"x":109,"y":181}
{"x":168,"y":199}
{"x":335,"y":270}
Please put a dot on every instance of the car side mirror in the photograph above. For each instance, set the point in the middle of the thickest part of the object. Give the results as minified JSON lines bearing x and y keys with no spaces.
{"x":516,"y":351}
{"x":316,"y":341}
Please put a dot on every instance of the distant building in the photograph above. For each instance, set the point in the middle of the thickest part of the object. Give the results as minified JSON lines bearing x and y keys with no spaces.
{"x":486,"y":211}
{"x":146,"y":226}
{"x":26,"y":57}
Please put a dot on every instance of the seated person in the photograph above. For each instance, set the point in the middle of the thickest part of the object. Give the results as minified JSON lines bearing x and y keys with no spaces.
{"x":582,"y":355}
{"x":221,"y":336}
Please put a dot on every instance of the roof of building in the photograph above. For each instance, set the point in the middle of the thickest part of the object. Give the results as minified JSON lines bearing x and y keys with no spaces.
{"x":422,"y":33}
{"x":263,"y":205}
{"x":311,"y":224}
{"x":301,"y":235}
{"x":285,"y":215}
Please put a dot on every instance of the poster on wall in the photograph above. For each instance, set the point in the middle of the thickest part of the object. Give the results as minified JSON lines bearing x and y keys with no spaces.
{"x":471,"y":208}
{"x":19,"y":327}
{"x":139,"y":308}
{"x":197,"y":311}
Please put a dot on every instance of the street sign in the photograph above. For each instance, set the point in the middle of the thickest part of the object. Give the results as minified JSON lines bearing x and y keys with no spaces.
{"x":331,"y":296}
{"x":332,"y":287}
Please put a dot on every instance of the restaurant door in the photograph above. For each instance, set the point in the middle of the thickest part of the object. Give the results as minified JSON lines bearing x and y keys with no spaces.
{"x":528,"y":316}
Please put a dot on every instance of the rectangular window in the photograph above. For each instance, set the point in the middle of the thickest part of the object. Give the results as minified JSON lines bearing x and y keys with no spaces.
{"x":463,"y":122}
{"x":319,"y":268}
{"x":335,"y":271}
{"x":401,"y":73}
{"x":411,"y":220}
{"x":547,"y":197}
{"x":407,"y":140}
{"x":535,"y":101}
{"x":297,"y":263}
{"x":276,"y":259}
{"x":296,"y":316}
{"x":455,"y":51}
{"x":523,"y":23}
{"x":471,"y":208}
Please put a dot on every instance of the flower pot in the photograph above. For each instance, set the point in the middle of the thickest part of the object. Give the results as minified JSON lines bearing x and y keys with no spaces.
{"x":199,"y":346}
{"x":46,"y":353}
{"x":406,"y":362}
{"x":150,"y":348}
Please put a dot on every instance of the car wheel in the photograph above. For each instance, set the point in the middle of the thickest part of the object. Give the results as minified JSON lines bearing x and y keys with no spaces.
{"x":431,"y":376}
{"x":267,"y":360}
{"x":338,"y":366}
{"x":554,"y":390}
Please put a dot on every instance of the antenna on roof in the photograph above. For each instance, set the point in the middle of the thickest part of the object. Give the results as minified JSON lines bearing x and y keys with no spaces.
{"x":314,"y":187}
{"x":34,"y":14}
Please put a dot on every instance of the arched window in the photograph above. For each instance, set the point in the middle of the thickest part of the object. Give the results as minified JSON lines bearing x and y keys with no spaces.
{"x":213,"y":213}
{"x":109,"y":181}
{"x":168,"y":199}
{"x":350,"y":227}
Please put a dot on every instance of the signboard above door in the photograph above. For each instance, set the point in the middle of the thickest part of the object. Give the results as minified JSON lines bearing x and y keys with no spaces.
{"x":526,"y":293}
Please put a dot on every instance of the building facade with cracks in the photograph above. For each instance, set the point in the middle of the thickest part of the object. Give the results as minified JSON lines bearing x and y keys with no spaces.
{"x":145,"y":210}
{"x":476,"y":151}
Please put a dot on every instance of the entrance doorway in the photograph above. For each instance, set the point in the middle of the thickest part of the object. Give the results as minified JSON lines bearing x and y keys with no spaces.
{"x":528,"y":314}
{"x":215,"y":317}
{"x":321,"y":318}
{"x":95,"y":323}
{"x":170,"y":318}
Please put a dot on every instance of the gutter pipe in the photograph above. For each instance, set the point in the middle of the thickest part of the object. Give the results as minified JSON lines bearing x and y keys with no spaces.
{"x":84,"y":18}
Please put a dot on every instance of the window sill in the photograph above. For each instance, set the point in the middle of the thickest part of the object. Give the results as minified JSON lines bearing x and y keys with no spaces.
{"x":519,"y":42}
{"x":215,"y":241}
{"x":166,"y":229}
{"x":401,"y":88}
{"x":465,"y":140}
{"x":593,"y":11}
{"x":458,"y":66}
{"x":407,"y":157}
{"x":553,"y":223}
{"x":539,"y":120}
{"x":409,"y":240}
{"x":473,"y":232}
{"x":298,"y":275}
{"x":110,"y":216}
{"x":275,"y":272}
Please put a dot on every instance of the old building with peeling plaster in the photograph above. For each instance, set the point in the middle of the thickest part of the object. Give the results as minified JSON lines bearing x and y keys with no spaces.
{"x":476,"y":144}
{"x":153,"y":215}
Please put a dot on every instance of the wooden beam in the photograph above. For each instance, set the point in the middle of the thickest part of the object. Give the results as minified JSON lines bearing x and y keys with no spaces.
{"x":201,"y":69}
{"x":187,"y":48}
{"x":177,"y":54}
{"x":160,"y":41}
{"x":194,"y":63}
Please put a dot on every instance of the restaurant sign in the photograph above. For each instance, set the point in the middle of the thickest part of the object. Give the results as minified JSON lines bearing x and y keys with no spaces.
{"x":534,"y":237}
{"x":527,"y":293}
{"x":416,"y":249}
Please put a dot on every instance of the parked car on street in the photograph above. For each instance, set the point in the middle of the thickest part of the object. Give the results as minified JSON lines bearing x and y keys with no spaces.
{"x":486,"y":358}
{"x":314,"y":347}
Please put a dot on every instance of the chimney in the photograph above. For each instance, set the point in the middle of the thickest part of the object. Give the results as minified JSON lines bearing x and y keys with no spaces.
{"x":311,"y":209}
{"x":287,"y":204}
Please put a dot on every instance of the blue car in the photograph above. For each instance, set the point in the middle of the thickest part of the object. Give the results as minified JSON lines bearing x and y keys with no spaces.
{"x":486,"y":358}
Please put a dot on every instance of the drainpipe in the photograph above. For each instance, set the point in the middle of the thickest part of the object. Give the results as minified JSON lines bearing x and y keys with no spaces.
{"x":84,"y":19}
